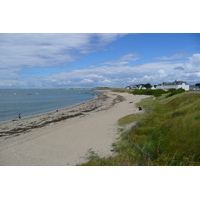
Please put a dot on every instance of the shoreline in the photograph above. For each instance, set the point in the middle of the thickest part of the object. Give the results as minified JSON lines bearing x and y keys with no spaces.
{"x":49,"y":110}
{"x":27,"y":123}
{"x":64,"y":137}
{"x":46,"y":112}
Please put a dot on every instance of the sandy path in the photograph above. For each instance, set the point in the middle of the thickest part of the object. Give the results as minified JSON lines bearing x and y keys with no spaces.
{"x":67,"y":142}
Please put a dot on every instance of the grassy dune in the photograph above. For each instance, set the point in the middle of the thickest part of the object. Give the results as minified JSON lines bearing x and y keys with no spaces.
{"x":172,"y":131}
{"x":168,"y":132}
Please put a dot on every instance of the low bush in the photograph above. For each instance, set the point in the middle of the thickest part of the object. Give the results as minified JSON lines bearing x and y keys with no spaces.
{"x":156,"y":93}
{"x":174,"y":91}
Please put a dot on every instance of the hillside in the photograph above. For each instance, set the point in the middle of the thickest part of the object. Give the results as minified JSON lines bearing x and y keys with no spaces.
{"x":168,"y":134}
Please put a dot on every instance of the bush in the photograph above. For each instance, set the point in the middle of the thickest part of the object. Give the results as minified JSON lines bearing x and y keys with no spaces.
{"x":156,"y":93}
{"x":174,"y":91}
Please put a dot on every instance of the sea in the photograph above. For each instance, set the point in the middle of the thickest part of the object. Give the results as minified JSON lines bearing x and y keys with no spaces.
{"x":31,"y":102}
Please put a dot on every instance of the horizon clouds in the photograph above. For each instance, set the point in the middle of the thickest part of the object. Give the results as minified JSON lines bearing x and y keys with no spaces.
{"x":57,"y":60}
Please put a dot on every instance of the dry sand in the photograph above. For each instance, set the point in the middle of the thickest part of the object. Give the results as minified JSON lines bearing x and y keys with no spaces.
{"x":64,"y":137}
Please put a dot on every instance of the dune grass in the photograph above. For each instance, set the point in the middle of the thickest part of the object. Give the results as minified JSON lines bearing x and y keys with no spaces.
{"x":169,"y":132}
{"x":172,"y":131}
{"x":129,"y":119}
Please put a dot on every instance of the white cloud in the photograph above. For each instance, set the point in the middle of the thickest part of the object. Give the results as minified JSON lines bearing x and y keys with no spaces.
{"x":174,"y":56}
{"x":40,"y":49}
{"x":115,"y":76}
{"x":149,"y":78}
{"x":106,"y":81}
{"x":195,"y":60}
{"x":20,"y":52}
{"x":86,"y":81}
{"x":126,"y":59}
{"x":162,"y":73}
{"x":133,"y":80}
{"x":105,"y":38}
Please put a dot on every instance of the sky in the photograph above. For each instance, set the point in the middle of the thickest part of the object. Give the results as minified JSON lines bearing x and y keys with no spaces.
{"x":87,"y":60}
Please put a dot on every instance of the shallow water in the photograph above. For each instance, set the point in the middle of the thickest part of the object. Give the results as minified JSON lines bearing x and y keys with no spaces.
{"x":31,"y":102}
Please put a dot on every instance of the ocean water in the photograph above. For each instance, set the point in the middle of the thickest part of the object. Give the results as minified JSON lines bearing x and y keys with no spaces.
{"x":31,"y":102}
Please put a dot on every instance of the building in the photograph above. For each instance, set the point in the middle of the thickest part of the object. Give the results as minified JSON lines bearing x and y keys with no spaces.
{"x":138,"y":87}
{"x":135,"y":87}
{"x":194,"y":88}
{"x":132,"y":87}
{"x":176,"y":85}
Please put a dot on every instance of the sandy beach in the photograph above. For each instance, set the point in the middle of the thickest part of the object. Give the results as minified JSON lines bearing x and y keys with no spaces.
{"x":63,"y":137}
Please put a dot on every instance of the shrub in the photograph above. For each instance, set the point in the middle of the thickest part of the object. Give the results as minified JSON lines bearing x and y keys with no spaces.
{"x":174,"y":91}
{"x":156,"y":93}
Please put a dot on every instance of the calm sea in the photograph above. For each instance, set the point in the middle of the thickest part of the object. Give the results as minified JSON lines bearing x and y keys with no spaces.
{"x":31,"y":102}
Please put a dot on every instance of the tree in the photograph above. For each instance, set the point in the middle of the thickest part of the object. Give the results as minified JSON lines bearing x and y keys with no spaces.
{"x":197,"y":84}
{"x":148,"y":85}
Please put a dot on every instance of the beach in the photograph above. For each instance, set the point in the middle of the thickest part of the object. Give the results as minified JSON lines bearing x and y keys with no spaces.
{"x":63,"y":137}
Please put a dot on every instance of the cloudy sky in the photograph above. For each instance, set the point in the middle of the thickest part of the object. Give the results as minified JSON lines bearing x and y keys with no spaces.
{"x":85,"y":60}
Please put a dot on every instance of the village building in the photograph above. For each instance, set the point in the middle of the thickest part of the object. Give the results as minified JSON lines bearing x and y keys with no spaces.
{"x":135,"y":87}
{"x":132,"y":87}
{"x":193,"y":87}
{"x":175,"y":85}
{"x":138,"y":87}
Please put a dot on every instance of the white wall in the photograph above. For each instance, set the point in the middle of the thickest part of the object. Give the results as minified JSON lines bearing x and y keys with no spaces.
{"x":167,"y":87}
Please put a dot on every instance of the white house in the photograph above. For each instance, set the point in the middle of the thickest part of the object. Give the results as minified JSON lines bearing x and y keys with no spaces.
{"x":132,"y":87}
{"x":135,"y":87}
{"x":176,"y":85}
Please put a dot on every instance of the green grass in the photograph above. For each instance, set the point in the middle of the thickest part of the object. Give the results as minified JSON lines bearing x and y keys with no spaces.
{"x":172,"y":131}
{"x":129,"y":119}
{"x":169,"y":133}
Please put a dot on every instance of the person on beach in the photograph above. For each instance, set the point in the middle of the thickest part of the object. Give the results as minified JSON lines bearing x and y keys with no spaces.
{"x":140,"y":108}
{"x":19,"y":115}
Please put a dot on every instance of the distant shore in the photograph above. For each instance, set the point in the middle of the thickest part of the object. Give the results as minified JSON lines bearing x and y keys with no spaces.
{"x":63,"y":137}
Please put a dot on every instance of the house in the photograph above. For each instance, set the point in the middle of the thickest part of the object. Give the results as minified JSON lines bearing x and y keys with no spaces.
{"x":176,"y":85}
{"x":132,"y":87}
{"x":135,"y":87}
{"x":193,"y":87}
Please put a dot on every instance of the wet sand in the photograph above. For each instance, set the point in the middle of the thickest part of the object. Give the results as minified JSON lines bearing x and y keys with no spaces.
{"x":64,"y":137}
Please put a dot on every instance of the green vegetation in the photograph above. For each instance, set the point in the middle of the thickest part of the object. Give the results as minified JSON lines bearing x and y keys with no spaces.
{"x":156,"y":93}
{"x":169,"y":134}
{"x":172,"y":131}
{"x":174,"y":91}
{"x":147,"y":85}
{"x":129,"y":119}
{"x":159,"y":92}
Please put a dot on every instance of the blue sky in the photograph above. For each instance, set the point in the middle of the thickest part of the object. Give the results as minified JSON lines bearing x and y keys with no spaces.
{"x":86,"y":60}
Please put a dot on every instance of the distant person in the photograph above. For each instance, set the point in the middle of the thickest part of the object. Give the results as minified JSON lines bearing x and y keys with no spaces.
{"x":19,"y":115}
{"x":140,"y":108}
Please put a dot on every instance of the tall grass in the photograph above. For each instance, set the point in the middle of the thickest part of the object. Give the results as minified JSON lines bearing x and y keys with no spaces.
{"x":172,"y":131}
{"x":169,"y":133}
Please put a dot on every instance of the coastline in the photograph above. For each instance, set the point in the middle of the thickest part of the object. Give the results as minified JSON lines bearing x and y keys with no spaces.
{"x":47,"y":112}
{"x":64,"y":137}
{"x":25,"y":124}
{"x":31,"y":111}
